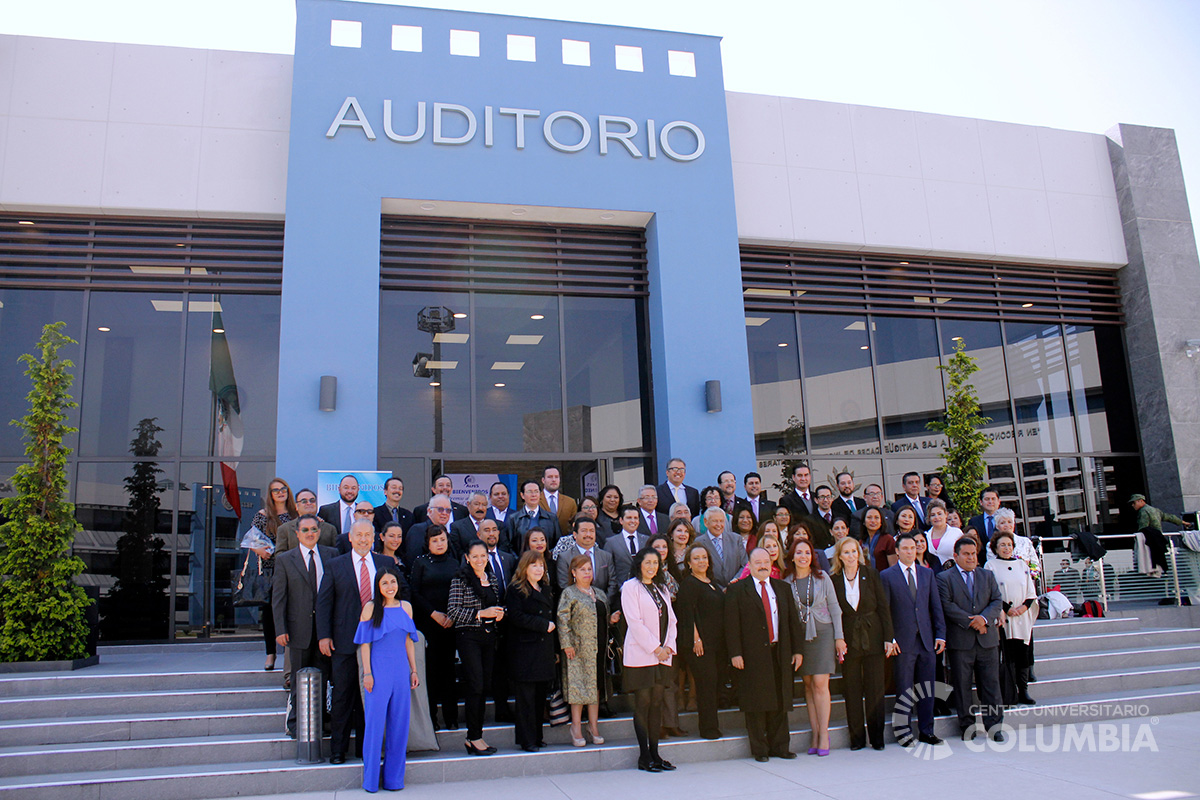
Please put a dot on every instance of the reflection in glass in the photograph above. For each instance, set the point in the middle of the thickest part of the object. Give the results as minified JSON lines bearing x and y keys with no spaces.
{"x":775,"y":387}
{"x":232,"y":351}
{"x":1002,"y":477}
{"x":518,"y":380}
{"x":604,"y":382}
{"x":1041,"y":394}
{"x":983,"y":343}
{"x":1087,"y":387}
{"x":130,"y":370}
{"x":838,"y":386}
{"x":1110,"y":481}
{"x":1054,"y":486}
{"x":23,"y":314}
{"x":630,"y":474}
{"x":864,"y":471}
{"x":424,"y":374}
{"x":910,"y":386}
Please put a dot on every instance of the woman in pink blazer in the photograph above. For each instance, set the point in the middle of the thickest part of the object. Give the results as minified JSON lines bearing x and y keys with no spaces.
{"x":649,"y":646}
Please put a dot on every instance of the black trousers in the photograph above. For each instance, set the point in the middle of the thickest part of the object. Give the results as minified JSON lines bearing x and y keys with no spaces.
{"x":916,"y":666}
{"x":862,"y":687}
{"x":500,"y":687}
{"x":530,"y":710}
{"x":347,"y":711}
{"x":439,"y":674}
{"x":705,"y":671}
{"x":768,"y":730}
{"x":983,"y":665}
{"x":268,"y":624}
{"x":477,"y":652}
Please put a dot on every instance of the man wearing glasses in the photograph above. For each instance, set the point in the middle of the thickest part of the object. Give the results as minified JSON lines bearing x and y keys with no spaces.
{"x":873,"y":495}
{"x":673,"y":490}
{"x":363,"y":510}
{"x":306,"y":503}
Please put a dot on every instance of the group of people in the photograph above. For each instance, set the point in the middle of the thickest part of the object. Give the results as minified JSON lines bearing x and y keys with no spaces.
{"x":683,"y":597}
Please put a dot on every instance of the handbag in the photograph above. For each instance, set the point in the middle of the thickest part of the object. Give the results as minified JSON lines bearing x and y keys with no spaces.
{"x":556,"y":706}
{"x":251,"y":586}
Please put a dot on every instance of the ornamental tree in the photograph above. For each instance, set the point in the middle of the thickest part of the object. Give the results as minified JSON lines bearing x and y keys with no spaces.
{"x":962,"y":455}
{"x":41,"y":608}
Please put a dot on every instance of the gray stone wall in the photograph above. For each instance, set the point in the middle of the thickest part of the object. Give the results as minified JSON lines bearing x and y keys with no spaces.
{"x":1160,"y":289}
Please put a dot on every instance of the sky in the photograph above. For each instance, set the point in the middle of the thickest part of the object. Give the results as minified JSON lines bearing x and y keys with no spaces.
{"x":1075,"y":64}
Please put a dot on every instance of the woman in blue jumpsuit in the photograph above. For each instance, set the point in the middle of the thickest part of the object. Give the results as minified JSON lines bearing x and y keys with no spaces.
{"x":387,"y":633}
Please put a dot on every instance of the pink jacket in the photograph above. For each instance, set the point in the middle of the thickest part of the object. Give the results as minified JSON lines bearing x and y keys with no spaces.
{"x":641,"y":615}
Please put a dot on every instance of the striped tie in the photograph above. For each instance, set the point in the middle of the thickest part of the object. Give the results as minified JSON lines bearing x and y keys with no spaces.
{"x":364,"y":581}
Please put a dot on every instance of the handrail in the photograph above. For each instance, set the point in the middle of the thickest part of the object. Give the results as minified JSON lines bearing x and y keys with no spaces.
{"x":1173,"y":561}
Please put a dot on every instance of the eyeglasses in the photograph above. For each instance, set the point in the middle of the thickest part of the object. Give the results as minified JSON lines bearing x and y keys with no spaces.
{"x":364,"y":511}
{"x":278,"y":490}
{"x":674,"y":469}
{"x":306,"y":500}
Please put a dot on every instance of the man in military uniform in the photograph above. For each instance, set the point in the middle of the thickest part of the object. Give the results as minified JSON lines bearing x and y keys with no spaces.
{"x":1149,"y":522}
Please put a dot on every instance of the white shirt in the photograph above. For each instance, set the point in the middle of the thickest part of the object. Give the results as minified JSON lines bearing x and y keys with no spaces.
{"x":590,"y":553}
{"x":678,"y":493}
{"x":852,"y":589}
{"x":911,"y":569}
{"x":499,"y":513}
{"x":306,"y":554}
{"x":774,"y":607}
{"x":343,"y":506}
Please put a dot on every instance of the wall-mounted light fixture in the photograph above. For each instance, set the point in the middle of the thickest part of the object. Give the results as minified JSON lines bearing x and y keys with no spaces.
{"x":1193,"y":347}
{"x":328,"y":400}
{"x":712,"y":396}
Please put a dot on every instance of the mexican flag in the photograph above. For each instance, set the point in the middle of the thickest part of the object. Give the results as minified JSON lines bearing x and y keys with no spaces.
{"x":228,"y":410}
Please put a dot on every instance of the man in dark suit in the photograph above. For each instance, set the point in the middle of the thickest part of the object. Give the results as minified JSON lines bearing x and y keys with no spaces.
{"x":347,"y":587}
{"x":442,"y":485}
{"x":625,"y":545}
{"x":845,"y":504}
{"x":603,"y":566}
{"x":340,"y":514}
{"x":972,"y":605}
{"x":653,"y":521}
{"x":531,"y":515}
{"x":914,"y":499}
{"x":363,"y":510}
{"x":822,"y":521}
{"x":874,"y":499}
{"x":437,"y":513}
{"x":390,"y":511}
{"x":799,"y":499}
{"x":762,"y":631}
{"x":298,"y":576}
{"x":673,"y":490}
{"x":285,"y":534}
{"x":920,"y":631}
{"x":756,"y":499}
{"x":466,"y":530}
{"x":985,"y":523}
{"x":498,"y":504}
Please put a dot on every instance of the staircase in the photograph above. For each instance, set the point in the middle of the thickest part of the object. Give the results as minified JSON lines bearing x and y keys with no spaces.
{"x":184,"y":721}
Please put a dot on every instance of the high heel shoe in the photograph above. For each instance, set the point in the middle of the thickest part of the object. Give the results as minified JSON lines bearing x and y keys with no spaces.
{"x":596,"y":738}
{"x":270,"y":665}
{"x":578,"y":742}
{"x":475,"y":751}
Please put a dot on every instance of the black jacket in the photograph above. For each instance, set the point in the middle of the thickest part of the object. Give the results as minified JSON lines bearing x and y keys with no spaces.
{"x":870,"y":625}
{"x":529,"y":643}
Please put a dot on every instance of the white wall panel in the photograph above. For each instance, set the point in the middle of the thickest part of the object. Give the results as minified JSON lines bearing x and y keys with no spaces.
{"x":158,"y":85}
{"x":8,"y":63}
{"x":764,"y":207}
{"x":893,"y":212}
{"x":1011,"y":156}
{"x":53,"y":163}
{"x":949,"y":148}
{"x":243,"y":173}
{"x":1075,"y":218}
{"x":959,"y":218}
{"x":60,"y":79}
{"x":754,"y":128}
{"x":816,"y":135}
{"x":150,"y":167}
{"x":825,"y":207}
{"x":885,"y":142}
{"x":252,"y":91}
{"x":1021,"y":223}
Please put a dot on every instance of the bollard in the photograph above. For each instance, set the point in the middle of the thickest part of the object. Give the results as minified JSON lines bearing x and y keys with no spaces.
{"x":310,"y":704}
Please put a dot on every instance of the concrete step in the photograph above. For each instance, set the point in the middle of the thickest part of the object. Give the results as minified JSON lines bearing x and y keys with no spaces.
{"x":82,"y":683}
{"x":1084,"y":626}
{"x":62,"y":706}
{"x":1149,"y":637}
{"x":126,"y":727}
{"x":1134,"y":658}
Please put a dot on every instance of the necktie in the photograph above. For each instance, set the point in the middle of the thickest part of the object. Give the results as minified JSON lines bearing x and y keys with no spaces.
{"x":970,"y":583}
{"x":591,"y":558}
{"x":497,"y":568}
{"x":653,"y":524}
{"x":312,"y":570}
{"x":720,"y":548}
{"x":632,"y":545}
{"x":678,"y":492}
{"x":347,"y":520}
{"x":554,"y":504}
{"x":912,"y":582}
{"x":920,"y":514}
{"x":989,"y":524}
{"x":850,"y":502}
{"x":364,"y":581}
{"x":828,"y":518}
{"x":805,"y":496}
{"x":396,"y":514}
{"x":767,"y":610}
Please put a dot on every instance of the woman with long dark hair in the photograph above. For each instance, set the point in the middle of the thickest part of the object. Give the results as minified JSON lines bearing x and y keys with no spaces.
{"x":648,"y":652}
{"x":279,"y":507}
{"x":611,"y":503}
{"x":530,"y":641}
{"x":821,"y":621}
{"x":432,"y":574}
{"x":475,"y":608}
{"x":702,"y":624}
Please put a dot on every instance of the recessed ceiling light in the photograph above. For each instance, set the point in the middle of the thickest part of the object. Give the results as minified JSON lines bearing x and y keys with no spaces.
{"x":508,"y":365}
{"x":451,"y":338}
{"x":521,"y":338}
{"x":537,"y":316}
{"x":957,"y":339}
{"x":207,"y":487}
{"x":181,"y":244}
{"x":519,"y":212}
{"x":460,"y":315}
{"x":608,"y":216}
{"x":782,"y":344}
{"x":24,"y":222}
{"x":905,"y":263}
{"x":1026,"y":305}
{"x":428,"y":206}
{"x":218,"y":330}
{"x":865,"y":347}
{"x":754,"y":322}
{"x":435,"y":383}
{"x":498,"y":385}
{"x":104,"y":329}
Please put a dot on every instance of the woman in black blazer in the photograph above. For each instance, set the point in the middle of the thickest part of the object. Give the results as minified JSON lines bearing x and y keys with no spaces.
{"x":432,"y":574}
{"x":701,"y":609}
{"x":867,"y":626}
{"x":530,"y":641}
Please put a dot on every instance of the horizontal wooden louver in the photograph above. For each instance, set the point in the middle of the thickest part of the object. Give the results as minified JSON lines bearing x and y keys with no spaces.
{"x":140,"y":254}
{"x":791,"y":280}
{"x":526,"y":258}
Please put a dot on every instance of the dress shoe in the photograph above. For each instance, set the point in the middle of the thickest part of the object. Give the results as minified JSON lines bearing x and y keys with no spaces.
{"x":529,"y":748}
{"x":877,"y":746}
{"x":1025,"y":700}
{"x":787,"y":755}
{"x":583,"y":742}
{"x":337,"y":758}
{"x":664,"y":765}
{"x":822,"y":752}
{"x":761,"y":759}
{"x":997,"y":735}
{"x":677,"y":731}
{"x":857,"y":746}
{"x":270,"y":665}
{"x":929,"y":738}
{"x":969,"y":733}
{"x":596,"y":738}
{"x":648,"y":766}
{"x":474,"y":751}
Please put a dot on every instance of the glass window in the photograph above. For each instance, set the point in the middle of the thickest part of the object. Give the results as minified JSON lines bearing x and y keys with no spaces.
{"x":1054,"y":486}
{"x":836,"y":363}
{"x":775,"y":386}
{"x":910,"y":386}
{"x":1038,"y":374}
{"x":231,"y":376}
{"x":424,"y":373}
{"x":982,"y":342}
{"x":22,"y":317}
{"x":130,"y":371}
{"x":1100,"y":388}
{"x":1110,"y":481}
{"x":517,"y":374}
{"x":605,"y":410}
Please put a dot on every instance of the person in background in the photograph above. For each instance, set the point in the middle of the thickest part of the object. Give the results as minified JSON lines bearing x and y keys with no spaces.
{"x":340,"y":513}
{"x":475,"y":608}
{"x":725,"y":549}
{"x":935,"y":489}
{"x":914,"y":499}
{"x":681,"y":535}
{"x":782,"y":518}
{"x":840,"y":530}
{"x":466,"y":530}
{"x":820,"y":618}
{"x":590,"y":507}
{"x":582,"y":627}
{"x":530,"y":611}
{"x":710,"y":497}
{"x":873,"y":498}
{"x":1149,"y":523}
{"x":653,"y":521}
{"x":756,"y":498}
{"x":906,"y":522}
{"x":648,"y":653}
{"x":390,"y":510}
{"x":743,"y":526}
{"x":387,"y":636}
{"x":562,"y":507}
{"x":535,"y":539}
{"x":954,"y":518}
{"x":775,"y":550}
{"x":391,"y":543}
{"x":432,"y":574}
{"x":280,"y":508}
{"x":611,"y":502}
{"x":624,"y":544}
{"x":924,"y":557}
{"x":878,"y":544}
{"x":285,"y":534}
{"x":984,"y":523}
{"x":867,"y":623}
{"x":1018,"y":600}
{"x":670,"y":571}
{"x":799,"y":499}
{"x":939,"y":533}
{"x":702,"y":622}
{"x":674,"y":490}
{"x":498,"y":502}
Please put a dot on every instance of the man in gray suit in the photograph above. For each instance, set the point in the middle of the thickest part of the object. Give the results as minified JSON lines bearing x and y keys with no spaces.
{"x":725,"y":548}
{"x":298,"y":575}
{"x":285,"y":535}
{"x":972,"y":605}
{"x":603,"y":567}
{"x":623,"y":545}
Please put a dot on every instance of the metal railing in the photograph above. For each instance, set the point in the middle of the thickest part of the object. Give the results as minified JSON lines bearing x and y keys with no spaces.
{"x":1119,"y":577}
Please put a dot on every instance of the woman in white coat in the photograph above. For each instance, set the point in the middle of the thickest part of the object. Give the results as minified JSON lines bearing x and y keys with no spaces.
{"x":1020,"y":610}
